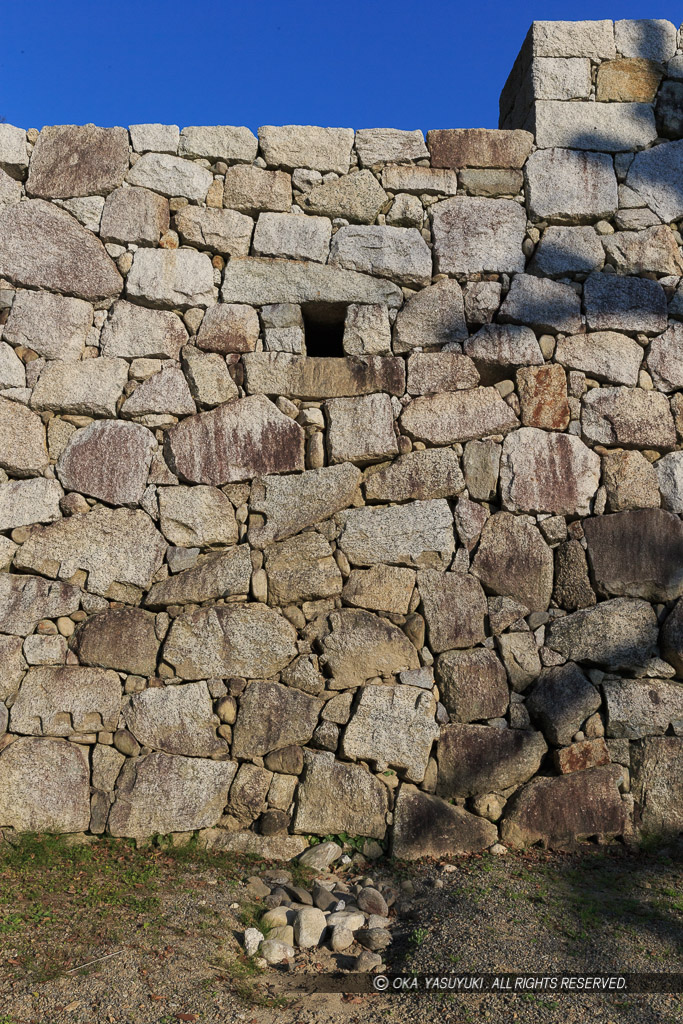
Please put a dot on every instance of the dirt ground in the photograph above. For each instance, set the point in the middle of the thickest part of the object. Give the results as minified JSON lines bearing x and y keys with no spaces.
{"x":172,"y":920}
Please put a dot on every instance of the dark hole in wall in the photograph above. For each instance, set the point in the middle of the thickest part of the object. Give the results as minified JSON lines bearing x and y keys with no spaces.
{"x":324,"y":330}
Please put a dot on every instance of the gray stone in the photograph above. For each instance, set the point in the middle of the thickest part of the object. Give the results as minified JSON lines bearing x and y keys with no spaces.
{"x":649,"y":38}
{"x":367,"y":330}
{"x":54,"y":326}
{"x":382,"y":588}
{"x":513,"y":560}
{"x":665,"y":359}
{"x":561,"y":701}
{"x":544,"y":305}
{"x":90,"y":387}
{"x":542,"y":471}
{"x":162,"y":138}
{"x":25,"y":600}
{"x":248,"y":793}
{"x":560,"y":78}
{"x":360,"y":429}
{"x":657,"y":770}
{"x":63,"y":700}
{"x":334,"y":797}
{"x":398,"y":253}
{"x":11,"y":652}
{"x":619,"y":634}
{"x":316,"y":377}
{"x":431,"y":181}
{"x":475,"y":759}
{"x":224,"y":231}
{"x":454,"y":609}
{"x":251,"y":189}
{"x":237,"y":441}
{"x":475,"y":235}
{"x":291,"y":236}
{"x":389,"y":145}
{"x":419,"y":533}
{"x":320,"y":856}
{"x":309,"y":925}
{"x":480,"y":463}
{"x":393,"y":726}
{"x":110,"y":545}
{"x":655,"y":175}
{"x":136,"y":332}
{"x":201,"y":516}
{"x":208,"y":377}
{"x":361,"y":645}
{"x":668,"y":473}
{"x":567,"y":250}
{"x":628,"y":417}
{"x":120,"y":638}
{"x":171,"y":278}
{"x":291,"y":503}
{"x":604,"y":355}
{"x":171,"y":176}
{"x":13,"y":150}
{"x":640,"y":252}
{"x":109,"y":460}
{"x":426,"y":826}
{"x":175,"y":719}
{"x":637,"y":553}
{"x":520,"y":657}
{"x":274,"y":951}
{"x":458,"y":416}
{"x":572,"y":39}
{"x":433,"y":473}
{"x":624,"y":304}
{"x":570,"y":187}
{"x":218,"y":142}
{"x":163,"y":793}
{"x":229,"y":328}
{"x":478,"y":147}
{"x":642,"y":707}
{"x":355,"y":197}
{"x":322,"y":149}
{"x":164,"y":393}
{"x":22,"y":440}
{"x":134,"y":215}
{"x":227,"y":574}
{"x":10,"y":190}
{"x":301,"y":569}
{"x":43,"y":247}
{"x":606,"y":127}
{"x":430,"y":372}
{"x":44,"y":786}
{"x":498,"y":348}
{"x":572,"y":588}
{"x":77,"y":160}
{"x":490,"y":182}
{"x":23,"y":502}
{"x":433,"y":316}
{"x":472,"y":685}
{"x":632,"y":482}
{"x":249,"y":640}
{"x":87,"y":210}
{"x":106,"y":765}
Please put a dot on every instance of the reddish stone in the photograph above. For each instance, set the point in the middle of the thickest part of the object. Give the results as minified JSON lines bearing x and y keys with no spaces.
{"x":579,"y":756}
{"x":478,"y":147}
{"x":543,"y":396}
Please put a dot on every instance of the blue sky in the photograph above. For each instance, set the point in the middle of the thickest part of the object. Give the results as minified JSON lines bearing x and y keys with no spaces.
{"x":355,"y":63}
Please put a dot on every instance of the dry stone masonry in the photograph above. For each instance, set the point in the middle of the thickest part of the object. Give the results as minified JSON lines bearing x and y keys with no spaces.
{"x":341,"y":474}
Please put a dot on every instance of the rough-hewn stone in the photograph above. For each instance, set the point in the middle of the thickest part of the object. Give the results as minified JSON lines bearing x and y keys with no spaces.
{"x":543,"y":397}
{"x":604,"y":355}
{"x":393,"y":725}
{"x":301,"y":569}
{"x":665,"y":359}
{"x":361,"y":645}
{"x":224,"y":575}
{"x":567,"y":250}
{"x":23,"y":502}
{"x":472,"y":684}
{"x":513,"y":560}
{"x":619,"y":634}
{"x":382,"y":588}
{"x":60,"y":701}
{"x":433,"y":316}
{"x":638,"y":553}
{"x":201,"y":516}
{"x":543,"y":305}
{"x":655,"y":175}
{"x":334,"y":797}
{"x":260,"y":281}
{"x":25,"y":600}
{"x":357,"y":198}
{"x":561,"y":701}
{"x":175,"y":719}
{"x":653,"y":250}
{"x":657,"y":771}
{"x":54,"y":326}
{"x":133,"y":332}
{"x":624,"y":304}
{"x":569,"y":187}
{"x":120,"y":638}
{"x":458,"y":416}
{"x":475,"y":759}
{"x":360,"y":429}
{"x":322,"y":149}
{"x":291,"y":503}
{"x":224,"y":231}
{"x":171,"y":176}
{"x":229,"y":327}
{"x":44,"y":786}
{"x":547,"y":472}
{"x":272,"y":717}
{"x":108,"y":460}
{"x":607,"y":127}
{"x":627,"y":417}
{"x":572,"y":587}
{"x":430,"y":372}
{"x":134,"y":215}
{"x":398,"y":253}
{"x":642,"y":707}
{"x":475,"y":235}
{"x":419,"y":533}
{"x":218,"y":142}
{"x":282,"y":373}
{"x":478,"y":147}
{"x":77,"y":160}
{"x":171,"y":278}
{"x":499,"y":348}
{"x":454,"y":608}
{"x":433,"y":473}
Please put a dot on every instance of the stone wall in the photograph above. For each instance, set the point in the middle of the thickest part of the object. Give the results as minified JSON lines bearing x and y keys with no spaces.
{"x":342,"y":473}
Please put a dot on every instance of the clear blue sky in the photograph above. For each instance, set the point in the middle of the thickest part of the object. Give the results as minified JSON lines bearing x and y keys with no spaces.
{"x":356,"y":63}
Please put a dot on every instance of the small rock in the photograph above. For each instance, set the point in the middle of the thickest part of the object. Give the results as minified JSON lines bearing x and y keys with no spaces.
{"x":309,"y":926}
{"x":371,"y":901}
{"x":252,"y":940}
{"x":274,"y":952}
{"x":373,"y":938}
{"x":341,"y":938}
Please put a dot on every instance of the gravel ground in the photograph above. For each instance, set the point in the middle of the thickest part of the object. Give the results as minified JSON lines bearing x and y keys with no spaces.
{"x":176,"y":924}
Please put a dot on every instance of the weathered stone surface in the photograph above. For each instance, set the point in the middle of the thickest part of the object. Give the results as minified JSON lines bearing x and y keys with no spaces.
{"x":251,"y":190}
{"x":580,"y":756}
{"x":108,"y":460}
{"x":572,"y":588}
{"x":561,"y":701}
{"x":224,"y":231}
{"x":356,"y":197}
{"x":106,"y":765}
{"x":175,"y":719}
{"x":218,"y":142}
{"x":513,"y":560}
{"x":208,"y":377}
{"x":200,"y":516}
{"x":229,"y":327}
{"x":419,"y":533}
{"x":165,"y":393}
{"x":542,"y":394}
{"x":111,"y":545}
{"x":77,"y":160}
{"x":223,"y":575}
{"x":433,"y":316}
{"x":668,"y":110}
{"x":291,"y":236}
{"x":642,"y":707}
{"x":475,"y":235}
{"x":291,"y":145}
{"x":454,"y":608}
{"x":543,"y":305}
{"x":393,"y":725}
{"x":470,"y":517}
{"x":335,"y":797}
{"x":12,"y":373}
{"x":472,"y":685}
{"x":360,"y":429}
{"x":607,"y":127}
{"x":458,"y":416}
{"x":25,"y":600}
{"x":248,"y":793}
{"x":426,"y":826}
{"x":134,"y":215}
{"x":271,"y":717}
{"x":570,"y":187}
{"x":281,"y":373}
{"x":639,"y":252}
{"x":63,"y":700}
{"x":13,"y":150}
{"x":13,"y":662}
{"x":671,"y":638}
{"x":632,"y":482}
{"x":491,"y":183}
{"x":22,"y":440}
{"x":547,"y":472}
{"x":563,"y":810}
{"x":605,"y":355}
{"x":171,"y":176}
{"x":43,"y":247}
{"x":430,"y":372}
{"x":567,"y":250}
{"x":398,"y":253}
{"x":249,"y":640}
{"x":119,"y":638}
{"x":498,"y":348}
{"x":164,"y":793}
{"x":133,"y":332}
{"x":236,"y":441}
{"x":665,"y":359}
{"x":560,"y":78}
{"x":478,"y":147}
{"x":384,"y":145}
{"x":172,"y":278}
{"x":656,"y":774}
{"x":431,"y":181}
{"x":54,"y":326}
{"x":520,"y":657}
{"x":637,"y":553}
{"x":653,"y":39}
{"x":656,"y":177}
{"x":361,"y":645}
{"x":367,"y":330}
{"x":301,"y":569}
{"x":23,"y":502}
{"x":634,"y":80}
{"x":619,"y":634}
{"x":291,"y":503}
{"x":629,"y":417}
{"x":476,"y":759}
{"x":624,"y":304}
{"x":433,"y":473}
{"x":44,"y":786}
{"x":91,"y":387}
{"x":382,"y":588}
{"x":260,"y":281}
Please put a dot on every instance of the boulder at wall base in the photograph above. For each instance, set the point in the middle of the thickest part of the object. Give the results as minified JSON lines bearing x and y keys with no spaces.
{"x":475,"y":759}
{"x":426,"y":826}
{"x":44,"y":786}
{"x":561,"y":811}
{"x":657,"y":784}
